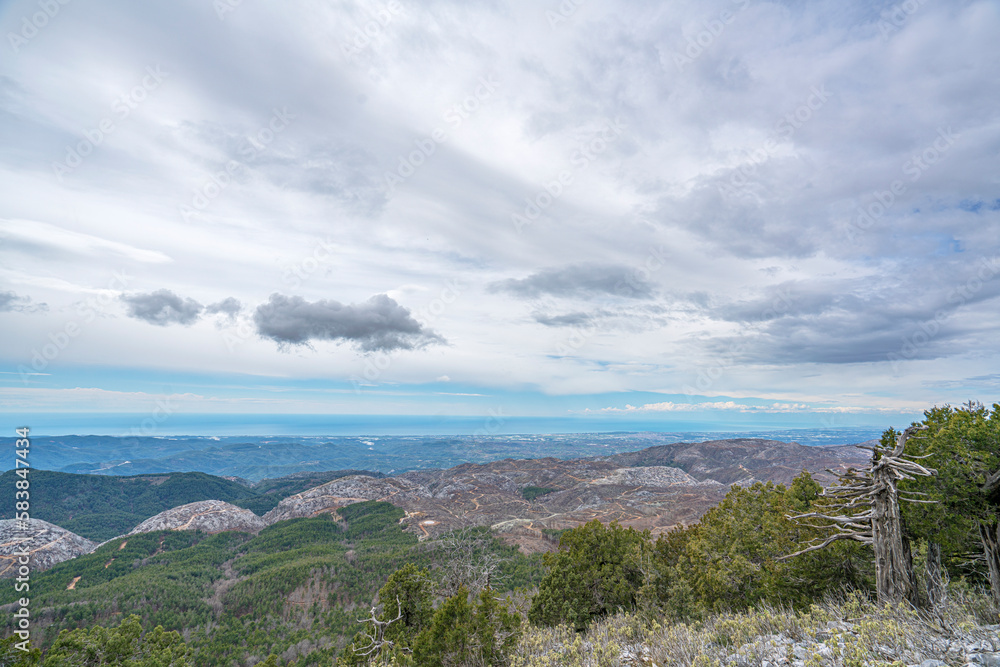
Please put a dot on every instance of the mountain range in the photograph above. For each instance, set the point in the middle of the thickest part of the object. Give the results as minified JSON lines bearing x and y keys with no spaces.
{"x":256,"y":458}
{"x":524,"y":501}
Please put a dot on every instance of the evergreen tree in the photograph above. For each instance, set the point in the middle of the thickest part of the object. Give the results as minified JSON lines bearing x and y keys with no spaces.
{"x":462,"y":633}
{"x":731,"y":559}
{"x":11,"y":656}
{"x":963,"y":444}
{"x":407,"y":601}
{"x":409,"y":593}
{"x":597,"y":571}
{"x":123,"y":645}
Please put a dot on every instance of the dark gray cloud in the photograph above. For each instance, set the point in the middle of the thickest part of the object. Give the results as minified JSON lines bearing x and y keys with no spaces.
{"x":630,"y":318}
{"x":928,"y":311}
{"x":10,"y":301}
{"x":229,"y":307}
{"x":377,"y":324}
{"x":567,"y":320}
{"x":579,"y":280}
{"x":162,"y":308}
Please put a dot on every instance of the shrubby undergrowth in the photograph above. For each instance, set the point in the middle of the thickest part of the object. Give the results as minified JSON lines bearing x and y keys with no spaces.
{"x":851,"y":630}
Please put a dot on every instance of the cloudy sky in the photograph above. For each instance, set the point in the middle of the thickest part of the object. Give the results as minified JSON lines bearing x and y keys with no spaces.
{"x":734,"y":210}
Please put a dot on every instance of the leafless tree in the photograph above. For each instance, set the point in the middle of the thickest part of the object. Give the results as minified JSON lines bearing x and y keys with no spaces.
{"x":865,"y":508}
{"x":376,"y":640}
{"x":468,"y":561}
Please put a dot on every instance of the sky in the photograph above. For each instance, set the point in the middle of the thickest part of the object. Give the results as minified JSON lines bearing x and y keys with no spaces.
{"x":763,"y":213}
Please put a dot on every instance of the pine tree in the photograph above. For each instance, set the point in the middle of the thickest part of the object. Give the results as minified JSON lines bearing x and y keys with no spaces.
{"x":597,"y":571}
{"x":123,"y":645}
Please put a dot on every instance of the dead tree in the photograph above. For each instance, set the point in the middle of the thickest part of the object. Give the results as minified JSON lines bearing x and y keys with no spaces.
{"x":865,"y":509}
{"x":376,"y":640}
{"x":989,"y":536}
{"x":935,"y":576}
{"x":469,"y":561}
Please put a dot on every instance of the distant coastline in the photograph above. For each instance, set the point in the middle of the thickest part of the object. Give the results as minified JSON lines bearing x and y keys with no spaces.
{"x":262,"y":425}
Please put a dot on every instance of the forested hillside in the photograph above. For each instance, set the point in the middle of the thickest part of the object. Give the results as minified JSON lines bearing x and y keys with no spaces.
{"x":296,"y":589}
{"x":100,"y":507}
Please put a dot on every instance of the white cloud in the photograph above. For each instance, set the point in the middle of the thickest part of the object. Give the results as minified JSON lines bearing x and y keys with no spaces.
{"x":735,"y":179}
{"x":773,"y":408}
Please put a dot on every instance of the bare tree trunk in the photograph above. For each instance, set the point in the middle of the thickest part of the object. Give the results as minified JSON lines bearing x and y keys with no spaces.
{"x":868,"y":506}
{"x":893,"y":567}
{"x":934,"y":576}
{"x":990,"y":537}
{"x":908,"y":555}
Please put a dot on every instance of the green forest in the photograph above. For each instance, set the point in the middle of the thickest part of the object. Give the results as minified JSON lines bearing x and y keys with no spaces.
{"x":357,"y":590}
{"x":100,"y":507}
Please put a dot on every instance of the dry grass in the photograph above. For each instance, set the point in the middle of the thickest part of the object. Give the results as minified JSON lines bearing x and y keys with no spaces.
{"x":852,"y":631}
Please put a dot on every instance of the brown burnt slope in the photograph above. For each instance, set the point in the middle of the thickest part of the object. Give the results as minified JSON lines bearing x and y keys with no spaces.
{"x":655,"y":488}
{"x":745,"y":460}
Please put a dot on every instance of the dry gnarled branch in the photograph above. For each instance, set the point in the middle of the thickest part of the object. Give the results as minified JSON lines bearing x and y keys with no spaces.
{"x":377,"y":640}
{"x":865,"y":509}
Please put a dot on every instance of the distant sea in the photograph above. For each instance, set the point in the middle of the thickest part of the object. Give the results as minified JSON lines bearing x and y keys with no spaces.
{"x":123,"y":424}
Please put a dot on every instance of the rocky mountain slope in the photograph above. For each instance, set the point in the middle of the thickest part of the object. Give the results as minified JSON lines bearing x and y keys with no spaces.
{"x":46,"y":543}
{"x":655,"y":488}
{"x":209,"y":516}
{"x":745,"y":460}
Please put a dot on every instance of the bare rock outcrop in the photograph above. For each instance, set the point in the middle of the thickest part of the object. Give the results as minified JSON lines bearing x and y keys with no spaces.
{"x":210,"y":516}
{"x":333,"y":495}
{"x":47,"y":545}
{"x":744,"y":460}
{"x":657,"y":476}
